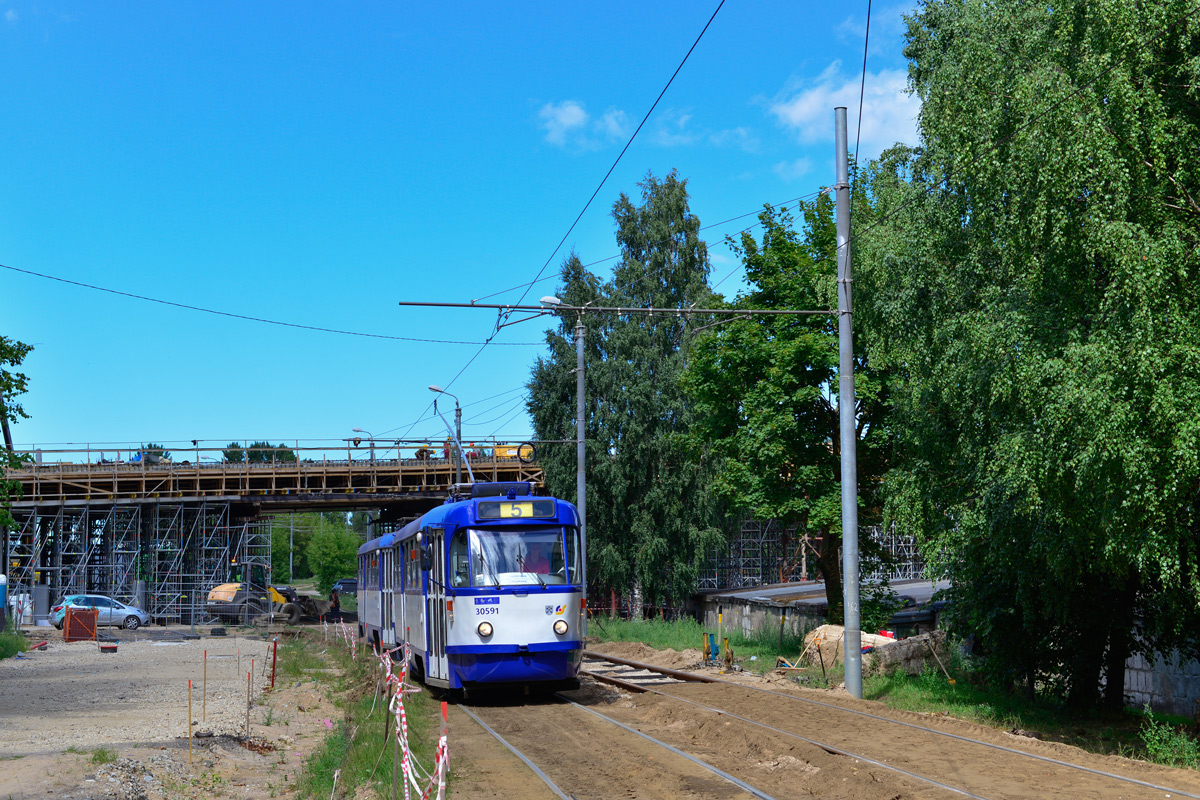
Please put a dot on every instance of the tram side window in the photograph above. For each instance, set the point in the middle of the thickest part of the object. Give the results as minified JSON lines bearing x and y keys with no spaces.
{"x":410,"y":567}
{"x":459,"y":560}
{"x":572,"y":555}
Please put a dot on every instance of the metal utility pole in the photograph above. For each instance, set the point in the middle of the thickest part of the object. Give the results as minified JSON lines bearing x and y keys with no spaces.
{"x":457,"y":433}
{"x":552,"y":305}
{"x":4,"y":567}
{"x":847,"y":418}
{"x":580,"y":460}
{"x":8,"y":442}
{"x":458,"y":437}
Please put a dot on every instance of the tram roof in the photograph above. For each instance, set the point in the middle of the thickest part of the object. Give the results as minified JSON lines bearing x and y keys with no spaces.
{"x":459,"y":511}
{"x":379,"y":542}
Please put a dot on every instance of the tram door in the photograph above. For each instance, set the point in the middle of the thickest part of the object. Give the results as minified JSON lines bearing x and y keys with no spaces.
{"x":436,"y":609}
{"x":386,"y":625}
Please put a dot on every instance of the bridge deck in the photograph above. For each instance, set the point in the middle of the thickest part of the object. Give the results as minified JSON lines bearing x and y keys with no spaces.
{"x":282,"y":485}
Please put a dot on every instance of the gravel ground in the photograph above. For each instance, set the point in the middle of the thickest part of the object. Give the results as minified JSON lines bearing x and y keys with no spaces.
{"x":73,"y":695}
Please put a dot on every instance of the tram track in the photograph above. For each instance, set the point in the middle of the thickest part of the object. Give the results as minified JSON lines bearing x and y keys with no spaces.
{"x":605,"y":758}
{"x":915,"y":751}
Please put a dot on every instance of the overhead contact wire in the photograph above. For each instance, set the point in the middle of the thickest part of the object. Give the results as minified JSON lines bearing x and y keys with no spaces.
{"x":247,"y":317}
{"x":595,"y":193}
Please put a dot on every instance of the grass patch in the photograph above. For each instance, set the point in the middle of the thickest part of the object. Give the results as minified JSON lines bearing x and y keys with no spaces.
{"x":103,"y":755}
{"x":1167,"y":744}
{"x":755,"y":653}
{"x":12,"y":642}
{"x":297,"y":659}
{"x":355,"y":748}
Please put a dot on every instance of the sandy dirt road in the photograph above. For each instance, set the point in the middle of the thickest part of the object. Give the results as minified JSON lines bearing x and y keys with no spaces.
{"x":58,"y":705}
{"x":581,"y":754}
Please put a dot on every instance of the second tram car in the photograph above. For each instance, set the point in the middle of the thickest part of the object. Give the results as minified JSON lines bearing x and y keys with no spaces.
{"x":485,"y":590}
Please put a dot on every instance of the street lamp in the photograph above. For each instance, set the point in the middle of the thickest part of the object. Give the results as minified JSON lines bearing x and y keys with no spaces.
{"x":371,"y":439}
{"x":457,"y":429}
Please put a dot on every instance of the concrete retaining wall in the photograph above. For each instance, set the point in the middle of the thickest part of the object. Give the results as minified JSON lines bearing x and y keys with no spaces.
{"x":1167,"y":682}
{"x":749,"y":617}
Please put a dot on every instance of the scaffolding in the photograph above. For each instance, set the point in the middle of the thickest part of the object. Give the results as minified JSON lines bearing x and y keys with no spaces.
{"x":163,"y":557}
{"x":763,"y":552}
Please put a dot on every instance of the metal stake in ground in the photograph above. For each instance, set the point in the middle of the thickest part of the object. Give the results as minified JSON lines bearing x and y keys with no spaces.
{"x":248,"y":674}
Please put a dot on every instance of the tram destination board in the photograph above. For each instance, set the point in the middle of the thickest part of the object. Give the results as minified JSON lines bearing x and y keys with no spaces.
{"x":517,"y":509}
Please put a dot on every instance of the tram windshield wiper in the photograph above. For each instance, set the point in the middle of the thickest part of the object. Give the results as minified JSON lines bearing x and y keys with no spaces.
{"x":483,"y":562}
{"x":521,"y":566}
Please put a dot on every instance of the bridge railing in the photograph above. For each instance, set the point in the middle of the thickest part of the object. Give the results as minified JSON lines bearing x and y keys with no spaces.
{"x":128,"y":456}
{"x":91,"y":474}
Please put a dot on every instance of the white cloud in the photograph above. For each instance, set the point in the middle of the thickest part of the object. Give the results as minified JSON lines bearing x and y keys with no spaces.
{"x":741,"y":137}
{"x":614,"y":124}
{"x":10,"y":16}
{"x":888,"y":29}
{"x":889,"y":112}
{"x":570,"y":126}
{"x":671,"y":129}
{"x":561,"y":119}
{"x":793,"y":170}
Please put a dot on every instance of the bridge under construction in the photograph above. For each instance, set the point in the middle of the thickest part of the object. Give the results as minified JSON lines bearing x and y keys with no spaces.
{"x":161,"y":532}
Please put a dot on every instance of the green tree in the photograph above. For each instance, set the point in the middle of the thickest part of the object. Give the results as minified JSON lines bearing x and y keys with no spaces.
{"x":261,"y":452}
{"x":12,"y":385}
{"x":296,"y":530}
{"x":765,"y":388}
{"x":155,"y":452}
{"x":332,"y":553}
{"x":650,"y":516}
{"x":1035,"y":290}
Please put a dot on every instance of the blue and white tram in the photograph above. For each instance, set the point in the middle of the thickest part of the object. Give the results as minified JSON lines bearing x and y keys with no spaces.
{"x":376,"y":575}
{"x":486,"y":591}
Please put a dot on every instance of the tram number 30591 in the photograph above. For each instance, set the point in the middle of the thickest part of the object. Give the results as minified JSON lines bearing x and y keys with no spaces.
{"x":483,"y":611}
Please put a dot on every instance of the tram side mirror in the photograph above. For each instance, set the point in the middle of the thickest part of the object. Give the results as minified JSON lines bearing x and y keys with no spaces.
{"x":424,"y":548}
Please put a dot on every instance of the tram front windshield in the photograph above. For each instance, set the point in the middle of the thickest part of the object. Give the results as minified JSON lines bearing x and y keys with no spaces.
{"x":516,"y":557}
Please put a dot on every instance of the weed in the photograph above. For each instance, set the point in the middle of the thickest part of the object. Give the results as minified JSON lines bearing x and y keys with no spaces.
{"x":354,"y":745}
{"x":103,"y":755}
{"x":296,"y":657}
{"x":12,"y":642}
{"x":77,"y":750}
{"x":685,"y":634}
{"x":1166,"y":744}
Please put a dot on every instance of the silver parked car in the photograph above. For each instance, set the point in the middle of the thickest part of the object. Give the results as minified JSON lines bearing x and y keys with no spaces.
{"x":108,"y":611}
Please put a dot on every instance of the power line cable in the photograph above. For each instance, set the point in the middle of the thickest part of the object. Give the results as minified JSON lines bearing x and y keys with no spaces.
{"x":595,"y":193}
{"x":655,"y":244}
{"x":467,"y":405}
{"x":516,"y":413}
{"x":623,"y":149}
{"x":518,"y":404}
{"x":862,"y":90}
{"x":253,"y":319}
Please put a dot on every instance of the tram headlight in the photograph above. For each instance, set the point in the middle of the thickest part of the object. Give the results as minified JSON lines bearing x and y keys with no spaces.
{"x":560,"y":627}
{"x":484,"y":629}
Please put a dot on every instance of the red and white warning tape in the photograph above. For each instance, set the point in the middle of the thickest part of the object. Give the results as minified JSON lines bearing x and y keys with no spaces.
{"x":411,"y":769}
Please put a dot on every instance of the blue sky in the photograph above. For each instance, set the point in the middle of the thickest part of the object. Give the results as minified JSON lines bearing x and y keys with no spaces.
{"x":317,"y":164}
